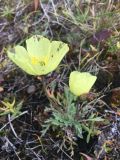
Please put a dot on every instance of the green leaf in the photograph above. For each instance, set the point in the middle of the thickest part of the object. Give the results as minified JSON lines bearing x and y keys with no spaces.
{"x":96,"y":119}
{"x":81,"y":83}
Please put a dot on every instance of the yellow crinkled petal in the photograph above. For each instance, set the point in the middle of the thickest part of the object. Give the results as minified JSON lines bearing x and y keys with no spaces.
{"x":81,"y":82}
{"x":21,"y":59}
{"x":57,"y":52}
{"x":38,"y":46}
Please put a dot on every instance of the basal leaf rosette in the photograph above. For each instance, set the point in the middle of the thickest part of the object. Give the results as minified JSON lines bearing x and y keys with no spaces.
{"x":40,"y":57}
{"x":81,"y":82}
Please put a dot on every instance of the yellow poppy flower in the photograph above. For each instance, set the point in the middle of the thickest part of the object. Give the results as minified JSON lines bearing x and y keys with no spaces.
{"x":40,"y":57}
{"x":81,"y":82}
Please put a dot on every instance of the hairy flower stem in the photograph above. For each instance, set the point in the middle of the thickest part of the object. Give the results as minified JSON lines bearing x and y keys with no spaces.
{"x":51,"y":98}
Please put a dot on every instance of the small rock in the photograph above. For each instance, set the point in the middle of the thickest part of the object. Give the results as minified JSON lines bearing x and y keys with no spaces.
{"x":1,"y":89}
{"x":31,"y":89}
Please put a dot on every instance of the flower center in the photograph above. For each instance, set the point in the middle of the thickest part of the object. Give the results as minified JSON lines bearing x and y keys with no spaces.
{"x":35,"y":61}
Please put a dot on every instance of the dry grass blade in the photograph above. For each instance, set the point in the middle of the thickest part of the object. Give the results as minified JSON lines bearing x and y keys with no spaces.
{"x":36,"y":4}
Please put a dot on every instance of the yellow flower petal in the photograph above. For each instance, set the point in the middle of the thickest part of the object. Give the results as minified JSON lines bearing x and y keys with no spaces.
{"x":81,"y":83}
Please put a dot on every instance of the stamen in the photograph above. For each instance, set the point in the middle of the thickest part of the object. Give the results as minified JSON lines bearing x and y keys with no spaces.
{"x":34,"y":60}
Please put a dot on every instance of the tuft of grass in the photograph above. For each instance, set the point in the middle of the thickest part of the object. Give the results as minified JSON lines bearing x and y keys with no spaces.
{"x":67,"y":115}
{"x":7,"y":12}
{"x":10,"y":108}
